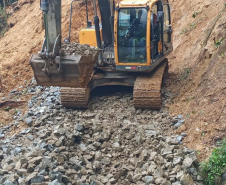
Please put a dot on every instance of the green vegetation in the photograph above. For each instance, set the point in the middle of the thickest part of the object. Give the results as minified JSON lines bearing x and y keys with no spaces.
{"x":195,"y":14}
{"x":3,"y":23}
{"x":189,"y":99}
{"x":212,"y":170}
{"x":193,"y":25}
{"x":190,"y":27}
{"x":184,"y":75}
{"x":7,"y":108}
{"x":218,"y":43}
{"x":185,"y":30}
{"x":24,"y":91}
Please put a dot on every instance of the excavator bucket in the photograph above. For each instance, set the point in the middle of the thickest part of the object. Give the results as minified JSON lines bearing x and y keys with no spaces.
{"x":75,"y":70}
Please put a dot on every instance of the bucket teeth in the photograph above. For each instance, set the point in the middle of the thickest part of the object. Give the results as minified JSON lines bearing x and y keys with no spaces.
{"x":147,"y":89}
{"x":75,"y":97}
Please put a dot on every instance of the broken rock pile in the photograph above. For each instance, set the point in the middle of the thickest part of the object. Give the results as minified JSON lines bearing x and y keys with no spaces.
{"x":78,"y":49}
{"x":110,"y":143}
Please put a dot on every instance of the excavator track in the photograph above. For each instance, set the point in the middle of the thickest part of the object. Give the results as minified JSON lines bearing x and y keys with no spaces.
{"x":75,"y":97}
{"x":147,"y":89}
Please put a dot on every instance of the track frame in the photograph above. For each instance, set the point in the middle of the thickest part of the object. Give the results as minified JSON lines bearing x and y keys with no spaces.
{"x":146,"y":94}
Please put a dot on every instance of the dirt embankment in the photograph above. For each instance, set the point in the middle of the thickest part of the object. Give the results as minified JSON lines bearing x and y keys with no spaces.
{"x":26,"y":37}
{"x":199,"y":61}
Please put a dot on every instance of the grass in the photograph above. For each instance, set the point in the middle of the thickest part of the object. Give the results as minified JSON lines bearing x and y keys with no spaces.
{"x":193,"y":25}
{"x":218,"y":42}
{"x":3,"y":23}
{"x":212,"y":170}
{"x":185,"y":30}
{"x":186,"y":72}
{"x":195,"y":14}
{"x":189,"y":99}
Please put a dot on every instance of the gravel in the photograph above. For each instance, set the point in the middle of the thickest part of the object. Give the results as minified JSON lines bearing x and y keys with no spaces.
{"x":109,"y":143}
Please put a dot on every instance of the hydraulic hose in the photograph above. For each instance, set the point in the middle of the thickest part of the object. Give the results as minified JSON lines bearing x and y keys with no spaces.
{"x":45,"y":9}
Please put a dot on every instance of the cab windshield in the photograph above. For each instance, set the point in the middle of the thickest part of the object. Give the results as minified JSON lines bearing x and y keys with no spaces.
{"x":132,"y":24}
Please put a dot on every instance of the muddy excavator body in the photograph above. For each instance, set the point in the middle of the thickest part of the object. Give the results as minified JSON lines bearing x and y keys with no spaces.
{"x":131,"y":46}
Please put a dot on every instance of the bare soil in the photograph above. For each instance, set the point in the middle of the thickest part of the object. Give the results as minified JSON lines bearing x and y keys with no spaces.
{"x":198,"y":65}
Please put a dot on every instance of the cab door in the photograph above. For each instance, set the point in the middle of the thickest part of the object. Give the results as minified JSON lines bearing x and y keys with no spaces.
{"x":167,"y":30}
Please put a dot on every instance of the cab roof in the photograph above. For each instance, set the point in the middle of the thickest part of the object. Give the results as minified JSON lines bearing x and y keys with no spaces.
{"x":135,"y":2}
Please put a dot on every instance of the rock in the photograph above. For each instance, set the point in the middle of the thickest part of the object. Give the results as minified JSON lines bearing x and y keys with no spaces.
{"x":17,"y":150}
{"x":179,"y":175}
{"x":183,"y":134}
{"x":21,"y":172}
{"x":35,"y":160}
{"x":150,"y":133}
{"x":176,"y":183}
{"x":137,"y":177}
{"x":189,"y":159}
{"x":158,"y":172}
{"x":159,"y":180}
{"x":106,"y":161}
{"x":29,"y":177}
{"x":144,"y":155}
{"x":179,"y":138}
{"x":121,"y":172}
{"x":79,"y":127}
{"x":148,"y":179}
{"x":97,"y":165}
{"x":38,"y":179}
{"x":177,"y":160}
{"x":139,"y":111}
{"x":116,"y":147}
{"x":186,"y":180}
{"x":28,"y":121}
{"x":30,"y":137}
{"x":151,"y":169}
{"x":199,"y":178}
{"x":177,"y":125}
{"x":165,"y":182}
{"x":53,"y":175}
{"x":55,"y":182}
{"x":8,"y":182}
{"x":112,"y":180}
{"x":65,"y":179}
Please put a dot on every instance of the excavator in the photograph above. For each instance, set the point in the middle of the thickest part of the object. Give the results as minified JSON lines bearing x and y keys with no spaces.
{"x":133,"y":39}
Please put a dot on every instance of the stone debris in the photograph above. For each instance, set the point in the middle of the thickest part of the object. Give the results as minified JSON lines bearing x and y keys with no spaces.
{"x":78,"y":49}
{"x":109,"y":143}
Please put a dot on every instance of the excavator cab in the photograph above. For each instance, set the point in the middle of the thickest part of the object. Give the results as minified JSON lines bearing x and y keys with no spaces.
{"x":143,"y":35}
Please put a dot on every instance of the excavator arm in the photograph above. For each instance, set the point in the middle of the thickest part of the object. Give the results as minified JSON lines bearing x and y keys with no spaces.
{"x":50,"y":66}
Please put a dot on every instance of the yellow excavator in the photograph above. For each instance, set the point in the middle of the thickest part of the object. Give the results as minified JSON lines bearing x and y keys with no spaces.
{"x":133,"y":41}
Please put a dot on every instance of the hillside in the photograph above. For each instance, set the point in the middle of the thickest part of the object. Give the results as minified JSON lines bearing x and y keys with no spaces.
{"x":197,"y":64}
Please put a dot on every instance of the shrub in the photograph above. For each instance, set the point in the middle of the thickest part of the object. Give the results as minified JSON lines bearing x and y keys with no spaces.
{"x":212,"y":170}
